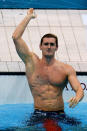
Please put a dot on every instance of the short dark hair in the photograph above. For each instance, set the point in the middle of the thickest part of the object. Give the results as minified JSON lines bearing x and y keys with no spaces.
{"x":49,"y":36}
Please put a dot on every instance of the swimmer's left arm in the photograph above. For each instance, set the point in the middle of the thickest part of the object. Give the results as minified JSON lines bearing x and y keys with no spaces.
{"x":76,"y":86}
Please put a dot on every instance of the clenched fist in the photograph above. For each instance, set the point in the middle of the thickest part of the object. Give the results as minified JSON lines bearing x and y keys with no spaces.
{"x":31,"y":13}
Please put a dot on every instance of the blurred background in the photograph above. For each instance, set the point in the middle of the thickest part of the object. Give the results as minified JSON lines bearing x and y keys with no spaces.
{"x":65,"y":18}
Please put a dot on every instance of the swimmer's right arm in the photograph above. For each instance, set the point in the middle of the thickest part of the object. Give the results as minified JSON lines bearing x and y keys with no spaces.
{"x":21,"y":47}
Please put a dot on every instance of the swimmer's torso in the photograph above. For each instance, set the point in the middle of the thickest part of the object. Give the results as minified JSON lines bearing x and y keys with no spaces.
{"x":46,"y":84}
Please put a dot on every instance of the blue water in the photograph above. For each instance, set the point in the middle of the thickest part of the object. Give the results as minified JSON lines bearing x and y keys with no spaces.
{"x":14,"y":116}
{"x":59,"y":4}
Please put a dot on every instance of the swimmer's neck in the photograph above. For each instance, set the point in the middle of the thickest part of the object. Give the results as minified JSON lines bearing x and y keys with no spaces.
{"x":48,"y":60}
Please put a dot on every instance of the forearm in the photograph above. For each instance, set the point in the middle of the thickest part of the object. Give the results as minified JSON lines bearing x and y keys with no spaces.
{"x":79,"y":94}
{"x":21,"y":27}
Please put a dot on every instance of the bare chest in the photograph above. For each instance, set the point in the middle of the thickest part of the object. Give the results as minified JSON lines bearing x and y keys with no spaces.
{"x":53,"y":76}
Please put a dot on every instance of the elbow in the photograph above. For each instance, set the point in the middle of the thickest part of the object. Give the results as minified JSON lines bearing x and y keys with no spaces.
{"x":14,"y":37}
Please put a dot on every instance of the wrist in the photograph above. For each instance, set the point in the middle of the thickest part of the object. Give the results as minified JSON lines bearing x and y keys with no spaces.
{"x":29,"y":16}
{"x":78,"y":98}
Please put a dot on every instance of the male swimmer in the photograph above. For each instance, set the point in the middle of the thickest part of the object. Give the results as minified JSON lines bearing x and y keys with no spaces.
{"x":47,"y":77}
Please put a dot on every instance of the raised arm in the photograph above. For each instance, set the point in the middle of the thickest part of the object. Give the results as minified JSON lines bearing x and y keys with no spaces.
{"x":76,"y":86}
{"x":21,"y":47}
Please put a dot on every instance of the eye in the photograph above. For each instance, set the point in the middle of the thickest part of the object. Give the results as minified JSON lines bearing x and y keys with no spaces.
{"x":46,"y":44}
{"x":52,"y":44}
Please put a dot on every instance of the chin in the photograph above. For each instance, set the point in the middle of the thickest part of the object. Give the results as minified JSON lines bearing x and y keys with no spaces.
{"x":49,"y":56}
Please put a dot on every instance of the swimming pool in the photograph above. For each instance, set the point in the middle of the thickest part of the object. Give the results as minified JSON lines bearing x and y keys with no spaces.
{"x":16,"y":106}
{"x":14,"y":117}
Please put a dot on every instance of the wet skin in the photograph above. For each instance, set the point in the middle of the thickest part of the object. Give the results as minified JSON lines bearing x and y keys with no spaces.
{"x":47,"y":79}
{"x":47,"y":84}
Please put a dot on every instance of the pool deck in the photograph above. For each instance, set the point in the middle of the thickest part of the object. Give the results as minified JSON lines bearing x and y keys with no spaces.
{"x":69,"y":25}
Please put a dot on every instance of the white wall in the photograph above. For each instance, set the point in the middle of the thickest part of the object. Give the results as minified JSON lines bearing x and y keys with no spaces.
{"x":15,"y":89}
{"x":69,"y":25}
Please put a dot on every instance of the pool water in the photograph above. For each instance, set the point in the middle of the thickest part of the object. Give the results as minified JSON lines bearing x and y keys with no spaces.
{"x":13,"y":117}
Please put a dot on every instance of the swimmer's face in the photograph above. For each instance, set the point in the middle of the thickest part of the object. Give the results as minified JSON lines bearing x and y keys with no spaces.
{"x":48,"y":46}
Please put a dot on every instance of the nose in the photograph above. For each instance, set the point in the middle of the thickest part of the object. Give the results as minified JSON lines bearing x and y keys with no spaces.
{"x":49,"y":45}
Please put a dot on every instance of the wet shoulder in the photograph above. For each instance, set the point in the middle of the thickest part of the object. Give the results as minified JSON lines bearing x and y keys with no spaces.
{"x":69,"y":69}
{"x":66,"y":67}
